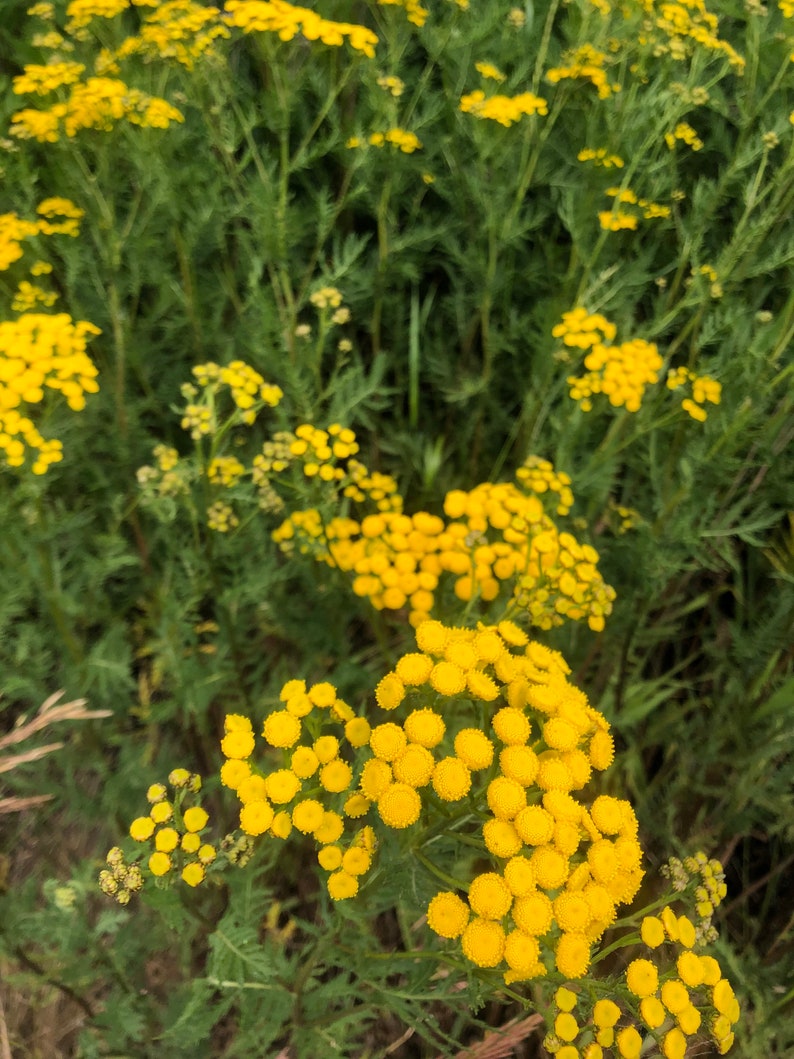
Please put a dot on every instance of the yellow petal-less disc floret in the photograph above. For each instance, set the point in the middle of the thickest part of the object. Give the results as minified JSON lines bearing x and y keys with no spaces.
{"x":483,"y":942}
{"x":282,"y":729}
{"x":474,"y":748}
{"x":399,"y":805}
{"x":642,"y":978}
{"x":195,"y":818}
{"x":451,"y":779}
{"x":490,"y":896}
{"x":425,"y":727}
{"x":447,"y":915}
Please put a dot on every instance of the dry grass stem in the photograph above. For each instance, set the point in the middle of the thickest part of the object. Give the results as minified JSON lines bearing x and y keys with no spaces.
{"x":499,"y":1044}
{"x":49,"y":713}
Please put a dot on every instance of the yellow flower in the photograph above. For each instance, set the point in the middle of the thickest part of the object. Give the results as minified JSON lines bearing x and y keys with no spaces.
{"x":195,"y":818}
{"x":237,"y":744}
{"x":190,"y":843}
{"x":490,"y":896}
{"x":358,"y":731}
{"x":336,"y":776}
{"x":425,"y":726}
{"x":342,"y":885}
{"x":535,"y":825}
{"x":330,"y":828}
{"x":256,"y":817}
{"x":161,"y":811}
{"x":483,"y":942}
{"x":447,"y":678}
{"x":501,"y":838}
{"x":652,"y":1011}
{"x":629,"y":1042}
{"x":387,"y":741}
{"x":447,"y":915}
{"x":399,"y":805}
{"x":451,"y":779}
{"x":390,"y":692}
{"x":605,"y":1013}
{"x":193,"y":874}
{"x":511,"y":726}
{"x":142,"y":828}
{"x":519,"y":876}
{"x":533,"y":913}
{"x":572,"y":955}
{"x":522,"y":952}
{"x":304,"y":762}
{"x":307,"y":815}
{"x":652,"y":932}
{"x":159,"y":863}
{"x":474,"y":748}
{"x":489,"y":71}
{"x":642,"y":978}
{"x":414,"y":766}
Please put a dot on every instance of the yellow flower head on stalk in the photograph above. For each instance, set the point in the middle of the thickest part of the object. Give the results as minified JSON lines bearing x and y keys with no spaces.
{"x":498,"y":542}
{"x":178,"y":30}
{"x":393,"y":85}
{"x":489,"y":71}
{"x":506,"y":110}
{"x":406,"y":141}
{"x":681,"y":29}
{"x":701,"y":388}
{"x":80,"y":13}
{"x":600,"y":156}
{"x":40,"y":352}
{"x":673,"y":990}
{"x":97,"y":103}
{"x":684,"y":133}
{"x":41,"y":80}
{"x":414,"y":12}
{"x":556,"y":877}
{"x":622,"y":372}
{"x":585,"y":63}
{"x":169,"y":837}
{"x":287,"y":20}
{"x":274,"y":800}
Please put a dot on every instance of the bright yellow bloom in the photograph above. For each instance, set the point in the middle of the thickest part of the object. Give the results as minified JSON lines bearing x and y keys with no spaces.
{"x":447,"y":915}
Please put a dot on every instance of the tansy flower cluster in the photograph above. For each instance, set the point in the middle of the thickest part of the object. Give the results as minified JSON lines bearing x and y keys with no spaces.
{"x":391,"y":84}
{"x":679,"y":29}
{"x":169,"y":477}
{"x":172,"y":831}
{"x":497,"y":537}
{"x":248,"y":390}
{"x":670,"y":993}
{"x":559,"y":867}
{"x":96,"y":103}
{"x":684,"y":133}
{"x":312,"y":733}
{"x":586,"y":63}
{"x":287,"y":20}
{"x":628,"y":517}
{"x":489,"y":71}
{"x":406,"y":141}
{"x":618,"y":218}
{"x":56,"y":216}
{"x":708,"y":880}
{"x":701,"y":387}
{"x":537,"y":475}
{"x":620,"y":372}
{"x":506,"y":110}
{"x":38,"y":353}
{"x":178,"y":30}
{"x":601,"y":157}
{"x":414,"y":11}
